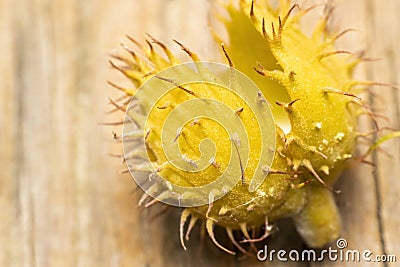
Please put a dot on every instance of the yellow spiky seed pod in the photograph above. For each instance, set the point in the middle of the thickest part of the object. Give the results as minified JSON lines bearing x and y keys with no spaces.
{"x":315,"y":120}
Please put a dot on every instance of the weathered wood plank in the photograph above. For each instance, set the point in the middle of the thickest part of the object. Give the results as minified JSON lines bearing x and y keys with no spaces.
{"x":62,"y":202}
{"x":383,"y":41}
{"x":10,"y":230}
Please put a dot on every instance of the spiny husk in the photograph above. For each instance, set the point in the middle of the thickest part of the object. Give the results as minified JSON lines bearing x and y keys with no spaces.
{"x":312,"y":85}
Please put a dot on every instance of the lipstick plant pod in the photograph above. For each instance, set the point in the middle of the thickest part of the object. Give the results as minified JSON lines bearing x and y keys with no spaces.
{"x":261,"y":138}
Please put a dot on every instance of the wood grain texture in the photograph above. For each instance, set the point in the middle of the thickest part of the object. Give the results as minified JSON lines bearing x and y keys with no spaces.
{"x":62,"y":201}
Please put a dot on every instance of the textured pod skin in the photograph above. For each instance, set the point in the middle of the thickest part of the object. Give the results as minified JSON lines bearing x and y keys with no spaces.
{"x":322,"y":118}
{"x":312,"y":86}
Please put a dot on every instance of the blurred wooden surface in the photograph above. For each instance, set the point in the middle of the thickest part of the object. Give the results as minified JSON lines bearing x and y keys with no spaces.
{"x":62,"y":201}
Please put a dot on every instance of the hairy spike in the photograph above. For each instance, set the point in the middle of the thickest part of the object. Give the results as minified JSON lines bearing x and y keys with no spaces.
{"x":300,"y":185}
{"x":115,"y":104}
{"x":130,"y":51}
{"x":384,"y":152}
{"x":167,"y":52}
{"x":328,"y":11}
{"x":119,"y":57}
{"x":227,"y":56}
{"x":260,"y":71}
{"x":150,"y":46}
{"x":192,"y":223}
{"x":229,"y":232}
{"x":342,"y":33}
{"x":164,"y":195}
{"x":151,"y":203}
{"x":210,"y":205}
{"x":368,"y":110}
{"x":122,"y":89}
{"x":264,"y":31}
{"x":152,"y":190}
{"x":273,"y":31}
{"x":110,"y":112}
{"x":284,"y":172}
{"x":307,"y":164}
{"x":125,"y":97}
{"x":243,"y":228}
{"x":116,"y":155}
{"x":210,"y":231}
{"x":307,"y":10}
{"x":302,"y":144}
{"x":315,"y":151}
{"x":370,"y":163}
{"x":371,"y":83}
{"x":154,"y":40}
{"x":378,"y":115}
{"x":235,"y":143}
{"x":187,"y":51}
{"x":124,"y":172}
{"x":252,"y":15}
{"x":336,"y":91}
{"x":280,"y":28}
{"x":177,"y":85}
{"x":111,"y":123}
{"x":117,"y":67}
{"x":374,"y":131}
{"x":277,"y":75}
{"x":184,"y":216}
{"x":287,"y":106}
{"x":286,"y":17}
{"x":133,"y":40}
{"x":143,"y":199}
{"x":264,"y":236}
{"x":333,"y":53}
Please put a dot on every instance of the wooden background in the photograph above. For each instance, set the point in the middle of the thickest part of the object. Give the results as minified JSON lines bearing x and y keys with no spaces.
{"x":62,"y":201}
